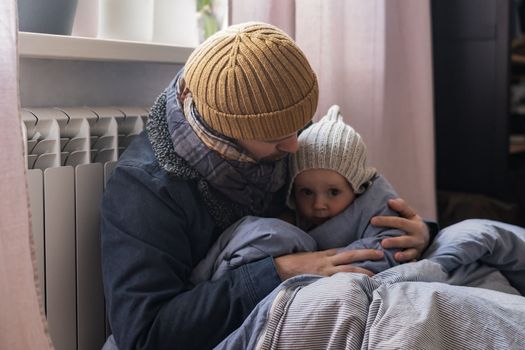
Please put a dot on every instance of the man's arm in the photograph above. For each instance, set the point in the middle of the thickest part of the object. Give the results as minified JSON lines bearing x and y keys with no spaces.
{"x":153,"y":232}
{"x":325,"y":262}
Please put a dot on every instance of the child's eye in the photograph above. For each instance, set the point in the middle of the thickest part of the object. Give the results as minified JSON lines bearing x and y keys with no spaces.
{"x":334,"y":192}
{"x":306,"y":192}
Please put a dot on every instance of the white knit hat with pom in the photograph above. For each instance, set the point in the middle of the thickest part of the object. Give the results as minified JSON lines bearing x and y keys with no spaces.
{"x":331,"y":144}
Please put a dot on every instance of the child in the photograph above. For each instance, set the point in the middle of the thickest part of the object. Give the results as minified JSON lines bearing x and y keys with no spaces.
{"x":334,"y":195}
{"x":328,"y":171}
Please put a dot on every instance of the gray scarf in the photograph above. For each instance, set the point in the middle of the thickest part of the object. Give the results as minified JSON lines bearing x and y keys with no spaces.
{"x":250,"y":184}
{"x":231,"y":189}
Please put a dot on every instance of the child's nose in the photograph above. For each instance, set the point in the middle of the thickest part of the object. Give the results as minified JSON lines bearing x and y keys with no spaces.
{"x":319,"y":203}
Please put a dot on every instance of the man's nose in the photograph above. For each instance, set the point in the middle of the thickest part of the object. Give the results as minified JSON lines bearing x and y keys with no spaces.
{"x":288,"y":145}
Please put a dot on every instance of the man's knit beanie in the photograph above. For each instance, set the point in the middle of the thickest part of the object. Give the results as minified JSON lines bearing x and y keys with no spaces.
{"x":333,"y":145}
{"x":252,"y":82}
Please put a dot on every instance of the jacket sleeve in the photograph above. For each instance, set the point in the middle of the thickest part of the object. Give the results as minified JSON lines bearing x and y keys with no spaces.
{"x":149,"y":244}
{"x":249,"y":239}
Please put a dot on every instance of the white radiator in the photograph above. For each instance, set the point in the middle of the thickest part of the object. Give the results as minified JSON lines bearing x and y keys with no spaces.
{"x":70,"y":154}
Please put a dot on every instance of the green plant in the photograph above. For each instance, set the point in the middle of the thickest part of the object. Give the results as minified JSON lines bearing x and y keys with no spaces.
{"x":209,"y":21}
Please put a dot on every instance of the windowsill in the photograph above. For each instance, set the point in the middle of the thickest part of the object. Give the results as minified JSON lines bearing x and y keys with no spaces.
{"x":63,"y":47}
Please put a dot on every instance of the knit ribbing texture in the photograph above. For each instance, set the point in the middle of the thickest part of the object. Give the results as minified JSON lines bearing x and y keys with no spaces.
{"x":252,"y":82}
{"x":333,"y":145}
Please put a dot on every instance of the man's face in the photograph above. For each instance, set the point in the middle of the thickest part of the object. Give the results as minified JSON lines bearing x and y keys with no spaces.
{"x":269,"y":151}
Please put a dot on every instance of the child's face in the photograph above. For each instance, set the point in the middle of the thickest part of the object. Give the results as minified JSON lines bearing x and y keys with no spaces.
{"x":321,"y":194}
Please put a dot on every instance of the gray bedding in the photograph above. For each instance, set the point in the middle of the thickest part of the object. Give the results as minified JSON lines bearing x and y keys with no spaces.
{"x":254,"y":238}
{"x":466,"y":294}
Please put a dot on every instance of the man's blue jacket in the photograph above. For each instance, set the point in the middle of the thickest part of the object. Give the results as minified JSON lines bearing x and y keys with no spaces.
{"x":155,"y":229}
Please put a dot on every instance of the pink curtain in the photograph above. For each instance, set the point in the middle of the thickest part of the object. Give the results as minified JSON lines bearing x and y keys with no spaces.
{"x":280,"y":13}
{"x":373,"y":58}
{"x":22,"y":324}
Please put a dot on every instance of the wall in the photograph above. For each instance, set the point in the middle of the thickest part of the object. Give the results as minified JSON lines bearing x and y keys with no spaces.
{"x":50,"y":83}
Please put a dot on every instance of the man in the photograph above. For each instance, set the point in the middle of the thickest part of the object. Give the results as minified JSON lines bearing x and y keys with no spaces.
{"x":215,"y":149}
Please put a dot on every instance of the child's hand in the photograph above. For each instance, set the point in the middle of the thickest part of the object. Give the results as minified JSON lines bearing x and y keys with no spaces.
{"x":417,"y":236}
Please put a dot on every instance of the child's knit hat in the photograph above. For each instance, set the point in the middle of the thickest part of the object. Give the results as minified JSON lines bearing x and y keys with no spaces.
{"x":252,"y":82}
{"x":331,"y":144}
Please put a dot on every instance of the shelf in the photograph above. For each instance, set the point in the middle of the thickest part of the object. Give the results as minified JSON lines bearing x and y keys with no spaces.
{"x":517,"y":59}
{"x":63,"y":47}
{"x":515,"y":149}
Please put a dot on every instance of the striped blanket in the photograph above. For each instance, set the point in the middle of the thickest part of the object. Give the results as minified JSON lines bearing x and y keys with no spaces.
{"x":467,"y":293}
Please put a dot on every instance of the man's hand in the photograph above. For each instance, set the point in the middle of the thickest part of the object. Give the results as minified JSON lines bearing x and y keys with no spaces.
{"x":324,"y":263}
{"x":417,"y":236}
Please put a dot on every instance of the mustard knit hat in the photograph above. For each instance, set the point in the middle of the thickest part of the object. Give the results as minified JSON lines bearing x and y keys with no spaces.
{"x":252,"y":82}
{"x":331,"y":144}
